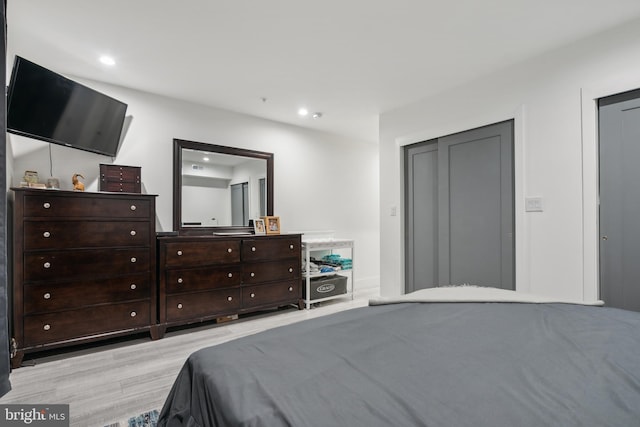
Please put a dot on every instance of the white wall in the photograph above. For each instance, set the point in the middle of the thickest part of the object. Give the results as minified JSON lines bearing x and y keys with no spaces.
{"x":321,"y":181}
{"x":552,"y":101}
{"x":210,"y":206}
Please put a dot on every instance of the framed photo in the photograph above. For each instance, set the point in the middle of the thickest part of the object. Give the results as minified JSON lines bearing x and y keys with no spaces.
{"x":258,"y":226}
{"x":272,"y":224}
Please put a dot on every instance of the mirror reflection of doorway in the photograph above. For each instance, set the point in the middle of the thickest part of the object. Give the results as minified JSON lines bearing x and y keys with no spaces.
{"x":240,"y":204}
{"x":262,"y":183}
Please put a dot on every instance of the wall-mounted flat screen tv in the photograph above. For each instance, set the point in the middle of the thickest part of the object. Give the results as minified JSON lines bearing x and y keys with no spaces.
{"x":44,"y":105}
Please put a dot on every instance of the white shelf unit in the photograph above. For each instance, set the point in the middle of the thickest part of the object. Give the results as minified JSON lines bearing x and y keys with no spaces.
{"x":324,"y":245}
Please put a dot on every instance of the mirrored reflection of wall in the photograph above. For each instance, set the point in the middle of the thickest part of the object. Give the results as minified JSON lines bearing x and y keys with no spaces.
{"x":206,"y":189}
{"x":205,"y":201}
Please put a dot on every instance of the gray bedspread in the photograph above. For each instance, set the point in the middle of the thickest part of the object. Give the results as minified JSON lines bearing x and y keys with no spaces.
{"x":422,"y":364}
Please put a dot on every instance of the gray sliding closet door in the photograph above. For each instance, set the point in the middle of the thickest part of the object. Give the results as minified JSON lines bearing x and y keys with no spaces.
{"x":619,"y":122}
{"x":460,"y":214}
{"x":422,"y":216}
{"x":476,"y":213}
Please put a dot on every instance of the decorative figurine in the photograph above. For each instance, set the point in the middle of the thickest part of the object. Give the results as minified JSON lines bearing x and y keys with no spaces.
{"x":30,"y":177}
{"x":77,"y":185}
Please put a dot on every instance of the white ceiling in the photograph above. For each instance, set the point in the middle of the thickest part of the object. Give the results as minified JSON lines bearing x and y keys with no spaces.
{"x":349,"y":59}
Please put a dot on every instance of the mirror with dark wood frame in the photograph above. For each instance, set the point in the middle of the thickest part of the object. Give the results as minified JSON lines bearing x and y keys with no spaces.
{"x":217,"y":189}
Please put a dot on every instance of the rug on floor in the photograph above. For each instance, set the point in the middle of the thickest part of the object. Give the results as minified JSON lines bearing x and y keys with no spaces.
{"x":146,"y":419}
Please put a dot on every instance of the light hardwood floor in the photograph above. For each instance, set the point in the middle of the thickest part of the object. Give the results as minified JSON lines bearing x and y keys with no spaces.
{"x":106,"y":384}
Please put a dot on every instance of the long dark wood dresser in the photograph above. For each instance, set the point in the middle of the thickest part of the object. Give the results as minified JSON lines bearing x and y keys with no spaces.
{"x":84,"y":268}
{"x":205,"y":277}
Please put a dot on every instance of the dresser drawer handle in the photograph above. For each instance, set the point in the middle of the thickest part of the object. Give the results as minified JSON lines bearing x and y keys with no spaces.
{"x":47,"y":295}
{"x":133,"y":286}
{"x":180,"y":280}
{"x":229,"y":298}
{"x":179,"y":253}
{"x":179,"y":306}
{"x":253,"y":274}
{"x":134,"y":314}
{"x":291,"y":247}
{"x":133,"y":259}
{"x":133,"y":207}
{"x":46,"y":205}
{"x":290,"y":288}
{"x":230,"y":275}
{"x":229,"y":250}
{"x":253,"y":248}
{"x":253,"y":295}
{"x":290,"y":269}
{"x":46,"y":234}
{"x":47,"y":265}
{"x":133,"y":232}
{"x":46,"y":327}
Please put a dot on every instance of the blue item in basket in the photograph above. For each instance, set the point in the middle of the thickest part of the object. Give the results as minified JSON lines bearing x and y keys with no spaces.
{"x":326,"y":269}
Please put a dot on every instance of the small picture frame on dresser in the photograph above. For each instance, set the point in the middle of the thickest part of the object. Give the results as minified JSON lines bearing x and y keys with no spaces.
{"x":272,"y":224}
{"x":258,"y":226}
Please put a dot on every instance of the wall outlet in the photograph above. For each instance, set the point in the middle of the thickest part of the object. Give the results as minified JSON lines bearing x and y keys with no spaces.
{"x":533,"y":204}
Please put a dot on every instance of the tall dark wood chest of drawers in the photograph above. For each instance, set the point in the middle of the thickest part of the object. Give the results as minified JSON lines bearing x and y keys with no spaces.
{"x":204,"y":277}
{"x":84,"y":268}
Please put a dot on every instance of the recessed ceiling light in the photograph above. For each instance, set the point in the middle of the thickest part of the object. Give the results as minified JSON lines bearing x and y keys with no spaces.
{"x":206,"y":159}
{"x":107,"y":60}
{"x":303,"y":112}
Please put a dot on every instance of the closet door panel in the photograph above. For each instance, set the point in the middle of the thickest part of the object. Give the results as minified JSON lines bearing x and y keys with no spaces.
{"x":459,"y":224}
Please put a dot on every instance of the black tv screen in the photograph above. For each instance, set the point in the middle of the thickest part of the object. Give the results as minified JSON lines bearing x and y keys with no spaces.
{"x":44,"y":105}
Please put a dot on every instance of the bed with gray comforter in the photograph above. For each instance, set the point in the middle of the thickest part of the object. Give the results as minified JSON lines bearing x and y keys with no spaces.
{"x":420,"y":363}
